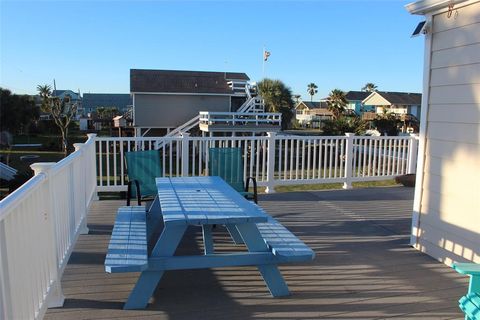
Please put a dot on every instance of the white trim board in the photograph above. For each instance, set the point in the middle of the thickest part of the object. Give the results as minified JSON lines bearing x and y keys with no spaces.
{"x":185,"y":93}
{"x":425,"y":7}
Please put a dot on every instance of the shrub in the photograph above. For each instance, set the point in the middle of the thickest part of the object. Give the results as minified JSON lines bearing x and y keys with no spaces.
{"x":342,"y":125}
{"x":387,"y":124}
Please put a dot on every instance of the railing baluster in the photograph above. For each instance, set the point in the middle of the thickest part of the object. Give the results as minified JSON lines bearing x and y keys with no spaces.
{"x":309,"y":145}
{"x":314,"y":164}
{"x":389,"y":160}
{"x":280,"y":159}
{"x":264,"y":154}
{"x":297,"y":160}
{"x":342,"y":157}
{"x":122,"y":168}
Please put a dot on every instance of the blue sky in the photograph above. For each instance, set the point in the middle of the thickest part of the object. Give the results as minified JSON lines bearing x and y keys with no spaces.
{"x":92,"y":45}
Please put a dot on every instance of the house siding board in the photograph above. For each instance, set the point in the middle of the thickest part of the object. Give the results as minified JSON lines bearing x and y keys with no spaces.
{"x":458,"y":94}
{"x":449,"y":223}
{"x":458,"y":113}
{"x":458,"y":37}
{"x":456,"y":75}
{"x":170,"y":111}
{"x":468,"y":54}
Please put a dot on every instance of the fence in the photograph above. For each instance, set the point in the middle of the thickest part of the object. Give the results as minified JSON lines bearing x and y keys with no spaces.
{"x":39,"y":225}
{"x":273,"y":159}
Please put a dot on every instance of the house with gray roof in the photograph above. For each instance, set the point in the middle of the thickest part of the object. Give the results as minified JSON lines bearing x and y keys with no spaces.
{"x":311,"y":113}
{"x":399,"y":103}
{"x":120,"y":101}
{"x":355,"y":102}
{"x":166,"y":99}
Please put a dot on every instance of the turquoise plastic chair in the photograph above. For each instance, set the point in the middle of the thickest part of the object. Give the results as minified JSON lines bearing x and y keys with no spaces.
{"x":142,"y":169}
{"x":227,"y":163}
{"x":470,"y":303}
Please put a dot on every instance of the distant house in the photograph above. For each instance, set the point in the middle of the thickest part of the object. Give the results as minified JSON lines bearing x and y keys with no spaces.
{"x":74,"y":96}
{"x":92,"y":101}
{"x":399,"y":103}
{"x":355,"y":102}
{"x":311,"y":113}
{"x":166,"y":99}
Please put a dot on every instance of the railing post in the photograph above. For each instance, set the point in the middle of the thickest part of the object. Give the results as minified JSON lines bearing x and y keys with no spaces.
{"x":270,"y":162}
{"x":82,"y":228}
{"x":348,"y":161}
{"x":412,"y":153}
{"x":93,"y":165}
{"x":185,"y":153}
{"x":56,"y":297}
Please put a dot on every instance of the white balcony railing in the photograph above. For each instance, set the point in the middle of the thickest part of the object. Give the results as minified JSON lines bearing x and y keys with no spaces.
{"x":39,"y":225}
{"x":273,"y":160}
{"x":239,"y":118}
{"x":41,"y":221}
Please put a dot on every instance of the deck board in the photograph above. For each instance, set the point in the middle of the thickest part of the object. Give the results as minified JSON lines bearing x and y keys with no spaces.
{"x":364,"y":268}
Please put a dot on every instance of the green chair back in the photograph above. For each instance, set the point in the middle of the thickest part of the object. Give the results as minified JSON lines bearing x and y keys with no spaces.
{"x":144,"y":166}
{"x":227,"y":163}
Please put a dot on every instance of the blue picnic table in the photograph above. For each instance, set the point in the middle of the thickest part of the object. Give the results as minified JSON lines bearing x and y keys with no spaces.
{"x":204,"y":202}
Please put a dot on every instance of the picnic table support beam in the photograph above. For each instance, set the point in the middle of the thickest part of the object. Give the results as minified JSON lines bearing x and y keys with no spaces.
{"x":270,"y":273}
{"x":148,"y":280}
{"x":208,"y":239}
{"x":212,"y":261}
{"x":234,"y":234}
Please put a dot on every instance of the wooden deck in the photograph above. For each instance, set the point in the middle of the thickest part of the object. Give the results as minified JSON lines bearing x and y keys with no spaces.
{"x":364,"y":268}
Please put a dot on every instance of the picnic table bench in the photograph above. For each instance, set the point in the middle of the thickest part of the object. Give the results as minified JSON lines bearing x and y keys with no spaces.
{"x":204,"y":202}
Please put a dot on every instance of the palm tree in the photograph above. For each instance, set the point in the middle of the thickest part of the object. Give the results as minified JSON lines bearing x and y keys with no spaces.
{"x":337,"y":102}
{"x":369,"y":87}
{"x":312,"y":89}
{"x":277,"y":98}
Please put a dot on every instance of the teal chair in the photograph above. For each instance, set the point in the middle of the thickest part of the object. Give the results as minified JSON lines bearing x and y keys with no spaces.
{"x":227,"y":163}
{"x":470,"y":303}
{"x":142,"y":169}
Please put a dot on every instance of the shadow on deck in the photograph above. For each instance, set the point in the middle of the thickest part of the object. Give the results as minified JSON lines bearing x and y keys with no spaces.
{"x":364,"y":268}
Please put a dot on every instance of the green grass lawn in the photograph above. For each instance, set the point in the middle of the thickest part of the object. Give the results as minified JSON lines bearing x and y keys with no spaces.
{"x":15,"y":162}
{"x":333,"y":186}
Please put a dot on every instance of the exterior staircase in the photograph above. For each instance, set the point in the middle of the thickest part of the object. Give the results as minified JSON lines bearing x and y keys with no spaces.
{"x":253,"y":104}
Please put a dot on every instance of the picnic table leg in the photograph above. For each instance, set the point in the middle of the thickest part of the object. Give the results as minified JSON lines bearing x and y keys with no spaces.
{"x":270,"y":273}
{"x":237,"y":238}
{"x":148,"y":280}
{"x":207,"y":239}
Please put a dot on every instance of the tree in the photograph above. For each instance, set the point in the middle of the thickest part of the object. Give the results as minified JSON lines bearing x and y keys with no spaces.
{"x":369,"y":87}
{"x":337,"y":102}
{"x":62,"y":110}
{"x":17,"y":112}
{"x":312,"y":90}
{"x":278,"y":98}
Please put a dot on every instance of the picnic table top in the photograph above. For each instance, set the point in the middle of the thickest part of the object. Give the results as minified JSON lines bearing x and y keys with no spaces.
{"x":205,"y":200}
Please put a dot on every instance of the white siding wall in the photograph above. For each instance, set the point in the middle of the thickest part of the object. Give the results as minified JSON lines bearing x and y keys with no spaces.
{"x":449,"y":227}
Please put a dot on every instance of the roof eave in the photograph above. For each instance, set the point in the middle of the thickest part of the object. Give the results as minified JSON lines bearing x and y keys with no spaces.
{"x":426,"y":6}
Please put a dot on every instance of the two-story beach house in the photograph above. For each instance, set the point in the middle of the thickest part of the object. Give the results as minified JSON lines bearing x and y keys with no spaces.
{"x":311,"y":113}
{"x":355,"y":102}
{"x":399,"y":103}
{"x":166,"y":99}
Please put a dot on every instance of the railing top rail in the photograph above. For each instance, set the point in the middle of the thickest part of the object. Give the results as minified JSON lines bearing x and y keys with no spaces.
{"x":14,"y":199}
{"x":247,"y":114}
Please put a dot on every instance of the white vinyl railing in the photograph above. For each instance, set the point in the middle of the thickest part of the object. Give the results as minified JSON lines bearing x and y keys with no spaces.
{"x":239,"y":118}
{"x":39,"y":225}
{"x":273,"y":159}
